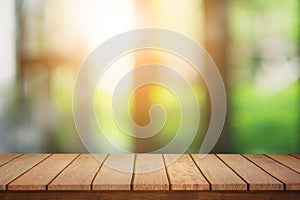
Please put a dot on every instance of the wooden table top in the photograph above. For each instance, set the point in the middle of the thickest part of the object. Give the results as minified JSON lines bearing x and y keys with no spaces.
{"x":81,"y":172}
{"x":81,"y":176}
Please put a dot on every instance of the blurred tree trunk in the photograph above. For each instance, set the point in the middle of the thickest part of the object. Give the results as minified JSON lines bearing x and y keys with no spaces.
{"x":216,"y":44}
{"x":144,"y":17}
{"x":23,"y":110}
{"x":25,"y":61}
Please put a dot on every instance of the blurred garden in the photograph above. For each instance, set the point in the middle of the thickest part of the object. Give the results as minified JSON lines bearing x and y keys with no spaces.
{"x":255,"y":44}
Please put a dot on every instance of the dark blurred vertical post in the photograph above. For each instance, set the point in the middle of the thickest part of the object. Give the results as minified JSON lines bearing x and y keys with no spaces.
{"x":20,"y":43}
{"x":141,"y":103}
{"x":23,"y":112}
{"x":144,"y":17}
{"x":216,"y":43}
{"x":25,"y":60}
{"x":48,"y":60}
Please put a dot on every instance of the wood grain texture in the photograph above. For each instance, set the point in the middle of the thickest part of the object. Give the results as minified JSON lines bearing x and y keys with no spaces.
{"x":150,"y":173}
{"x":218,"y":174}
{"x":109,"y":178}
{"x":18,"y":166}
{"x":290,"y":178}
{"x":253,"y":175}
{"x":151,"y":195}
{"x":40,"y":176}
{"x":79,"y":175}
{"x":184,"y":174}
{"x":287,"y":160}
{"x":5,"y":158}
{"x":296,"y":155}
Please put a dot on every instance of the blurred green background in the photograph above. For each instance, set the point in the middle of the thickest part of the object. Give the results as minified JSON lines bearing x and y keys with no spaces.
{"x":255,"y":43}
{"x":265,"y":65}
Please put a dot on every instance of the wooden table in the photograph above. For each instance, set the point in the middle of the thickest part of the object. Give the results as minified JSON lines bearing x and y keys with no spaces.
{"x":81,"y":176}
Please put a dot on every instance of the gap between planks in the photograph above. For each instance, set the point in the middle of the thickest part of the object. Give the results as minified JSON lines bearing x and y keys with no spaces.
{"x":19,"y":167}
{"x":287,"y":176}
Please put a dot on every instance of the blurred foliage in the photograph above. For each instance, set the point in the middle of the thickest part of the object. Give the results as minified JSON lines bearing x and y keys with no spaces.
{"x":264,"y":36}
{"x":265,"y":123}
{"x":264,"y":120}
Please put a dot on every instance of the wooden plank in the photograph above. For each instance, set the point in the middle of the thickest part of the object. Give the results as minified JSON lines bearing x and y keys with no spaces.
{"x":18,"y":166}
{"x":296,"y":155}
{"x":109,"y":178}
{"x":287,"y":160}
{"x":150,"y":173}
{"x":290,"y":178}
{"x":79,"y":175}
{"x":5,"y":158}
{"x":40,"y":176}
{"x":253,"y":175}
{"x":218,"y":174}
{"x":184,"y":174}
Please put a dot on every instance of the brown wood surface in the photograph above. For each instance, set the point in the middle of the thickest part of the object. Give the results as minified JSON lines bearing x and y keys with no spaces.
{"x":4,"y":158}
{"x":18,"y":166}
{"x":218,"y":174}
{"x":296,"y":155}
{"x":115,"y":174}
{"x":289,"y":161}
{"x":40,"y":176}
{"x":150,"y":173}
{"x":290,"y":178}
{"x":184,"y":174}
{"x":79,"y":175}
{"x":253,"y":175}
